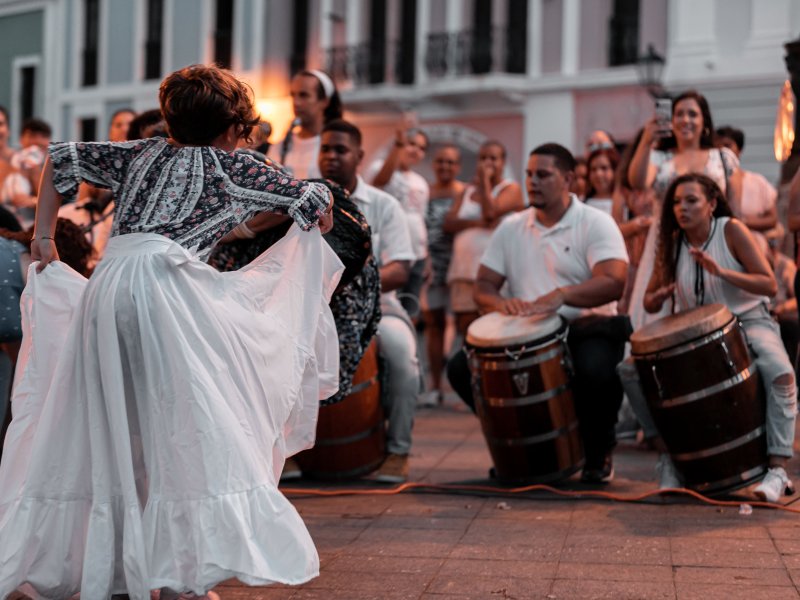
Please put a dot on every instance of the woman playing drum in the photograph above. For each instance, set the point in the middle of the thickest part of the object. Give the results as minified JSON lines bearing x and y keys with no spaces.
{"x":705,"y":256}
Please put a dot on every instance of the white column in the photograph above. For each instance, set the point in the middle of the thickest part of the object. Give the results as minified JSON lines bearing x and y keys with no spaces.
{"x":325,"y":31}
{"x":549,"y":117}
{"x":534,"y":34}
{"x":770,"y":22}
{"x":354,"y":22}
{"x":454,"y":10}
{"x":454,"y":22}
{"x":422,"y":28}
{"x":570,"y":36}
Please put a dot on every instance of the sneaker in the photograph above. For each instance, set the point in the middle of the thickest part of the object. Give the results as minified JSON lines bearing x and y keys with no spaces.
{"x":430,"y":399}
{"x":666,"y":473}
{"x":393,"y":470}
{"x":774,"y":485}
{"x":291,"y":470}
{"x":598,"y":473}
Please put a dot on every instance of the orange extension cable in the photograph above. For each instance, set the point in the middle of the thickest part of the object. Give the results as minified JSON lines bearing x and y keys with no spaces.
{"x":446,"y":487}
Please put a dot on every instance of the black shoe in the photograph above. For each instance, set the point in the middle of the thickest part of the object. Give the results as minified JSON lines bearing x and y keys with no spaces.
{"x":598,"y":473}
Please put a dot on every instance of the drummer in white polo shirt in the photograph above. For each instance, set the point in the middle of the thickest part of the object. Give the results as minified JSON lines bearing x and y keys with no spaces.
{"x":339,"y":157}
{"x":563,"y":256}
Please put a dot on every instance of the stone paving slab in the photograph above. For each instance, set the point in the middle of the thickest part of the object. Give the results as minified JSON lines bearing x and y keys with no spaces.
{"x":447,"y":546}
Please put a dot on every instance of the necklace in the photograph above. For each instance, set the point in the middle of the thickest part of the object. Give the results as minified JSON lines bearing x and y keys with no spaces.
{"x":699,"y":271}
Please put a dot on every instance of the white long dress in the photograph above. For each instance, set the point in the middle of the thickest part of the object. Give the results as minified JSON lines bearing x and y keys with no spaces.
{"x":154,"y":406}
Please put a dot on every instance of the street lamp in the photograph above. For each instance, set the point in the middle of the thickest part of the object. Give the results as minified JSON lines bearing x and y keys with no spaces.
{"x":649,"y":68}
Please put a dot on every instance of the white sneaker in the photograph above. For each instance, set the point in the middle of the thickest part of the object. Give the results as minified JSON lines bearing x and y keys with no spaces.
{"x":774,"y":485}
{"x":666,"y":473}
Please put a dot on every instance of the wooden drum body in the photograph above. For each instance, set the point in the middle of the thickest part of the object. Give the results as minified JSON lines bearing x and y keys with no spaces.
{"x":705,"y":396}
{"x":351,"y":439}
{"x":521,"y":382}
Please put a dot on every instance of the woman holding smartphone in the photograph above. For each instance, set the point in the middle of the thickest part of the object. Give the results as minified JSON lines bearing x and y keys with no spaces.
{"x":662,"y":155}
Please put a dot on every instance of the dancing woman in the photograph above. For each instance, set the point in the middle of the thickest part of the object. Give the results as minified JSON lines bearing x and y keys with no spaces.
{"x":156,"y":402}
{"x":705,"y":256}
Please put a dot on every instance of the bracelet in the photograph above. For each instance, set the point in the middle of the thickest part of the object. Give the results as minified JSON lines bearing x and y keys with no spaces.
{"x":46,"y":237}
{"x":243,"y":232}
{"x":399,"y":144}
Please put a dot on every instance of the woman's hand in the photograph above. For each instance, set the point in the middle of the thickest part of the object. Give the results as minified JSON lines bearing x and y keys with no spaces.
{"x":704,"y":260}
{"x":326,"y":220}
{"x":653,"y":301}
{"x":44,"y":250}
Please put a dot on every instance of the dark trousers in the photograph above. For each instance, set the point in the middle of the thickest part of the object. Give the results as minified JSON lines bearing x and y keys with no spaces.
{"x":595,"y":349}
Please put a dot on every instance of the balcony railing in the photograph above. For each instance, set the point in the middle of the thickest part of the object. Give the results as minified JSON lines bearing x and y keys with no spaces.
{"x":446,"y":54}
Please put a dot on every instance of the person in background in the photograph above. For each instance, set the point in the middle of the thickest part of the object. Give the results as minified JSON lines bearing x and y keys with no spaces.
{"x":395,"y":175}
{"x":489,"y":198}
{"x":581,"y":181}
{"x":599,"y":140}
{"x":758,"y":208}
{"x":315,"y":101}
{"x":783,"y":305}
{"x":445,"y":191}
{"x":119,"y":124}
{"x":20,"y":188}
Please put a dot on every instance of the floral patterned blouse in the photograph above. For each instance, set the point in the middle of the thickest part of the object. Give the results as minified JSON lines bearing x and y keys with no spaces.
{"x":192,"y":195}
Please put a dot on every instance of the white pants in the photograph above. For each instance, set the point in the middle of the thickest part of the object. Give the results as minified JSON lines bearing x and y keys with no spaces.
{"x":398,"y":349}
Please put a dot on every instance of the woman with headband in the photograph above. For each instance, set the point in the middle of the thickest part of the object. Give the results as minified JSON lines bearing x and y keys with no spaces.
{"x":315,"y":101}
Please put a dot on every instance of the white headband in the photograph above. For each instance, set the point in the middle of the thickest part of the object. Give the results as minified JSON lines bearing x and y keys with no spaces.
{"x":327,"y":83}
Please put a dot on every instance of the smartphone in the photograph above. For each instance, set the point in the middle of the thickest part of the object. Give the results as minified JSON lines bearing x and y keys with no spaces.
{"x":664,"y":115}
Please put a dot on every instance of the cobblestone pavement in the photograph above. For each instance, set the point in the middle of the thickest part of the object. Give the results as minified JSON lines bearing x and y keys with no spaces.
{"x":447,"y":546}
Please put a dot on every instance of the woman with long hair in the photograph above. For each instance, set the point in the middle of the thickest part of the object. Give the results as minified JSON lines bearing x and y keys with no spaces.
{"x":687,"y":146}
{"x":705,"y":256}
{"x":315,"y":101}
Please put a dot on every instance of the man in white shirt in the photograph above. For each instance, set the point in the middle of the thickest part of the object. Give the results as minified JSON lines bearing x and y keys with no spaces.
{"x":563,"y":256}
{"x":396,"y":176}
{"x":339,"y":158}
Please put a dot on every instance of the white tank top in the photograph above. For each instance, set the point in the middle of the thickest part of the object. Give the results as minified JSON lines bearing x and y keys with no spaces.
{"x":470,"y":244}
{"x":697,"y":286}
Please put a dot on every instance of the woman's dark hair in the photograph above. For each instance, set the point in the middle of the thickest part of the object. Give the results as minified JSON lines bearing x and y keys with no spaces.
{"x":670,"y":234}
{"x":150,"y":123}
{"x":625,"y":161}
{"x":73,"y":247}
{"x":335,"y":108}
{"x":200,"y":102}
{"x":613,"y":158}
{"x":737,"y":135}
{"x":707,"y":135}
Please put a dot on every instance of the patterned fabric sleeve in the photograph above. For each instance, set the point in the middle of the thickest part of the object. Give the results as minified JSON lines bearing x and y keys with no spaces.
{"x":258,"y":186}
{"x":103,"y":164}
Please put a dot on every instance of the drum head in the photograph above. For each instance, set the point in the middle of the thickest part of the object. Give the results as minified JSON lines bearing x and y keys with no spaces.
{"x":497,"y":330}
{"x":678,"y":329}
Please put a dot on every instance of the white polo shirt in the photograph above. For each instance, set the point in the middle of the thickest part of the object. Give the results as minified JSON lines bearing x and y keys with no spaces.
{"x":536,"y":259}
{"x":390,"y":237}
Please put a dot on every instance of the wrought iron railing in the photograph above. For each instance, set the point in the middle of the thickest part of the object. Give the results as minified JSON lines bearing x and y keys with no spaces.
{"x":446,"y":54}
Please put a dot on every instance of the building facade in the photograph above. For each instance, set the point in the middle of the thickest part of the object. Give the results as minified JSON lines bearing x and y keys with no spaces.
{"x":522,"y":71}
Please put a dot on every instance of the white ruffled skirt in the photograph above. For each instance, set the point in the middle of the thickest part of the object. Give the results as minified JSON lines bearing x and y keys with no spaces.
{"x":154,"y":406}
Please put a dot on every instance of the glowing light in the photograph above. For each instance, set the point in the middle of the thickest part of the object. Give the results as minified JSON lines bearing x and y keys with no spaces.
{"x":784,"y":123}
{"x":278,"y":112}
